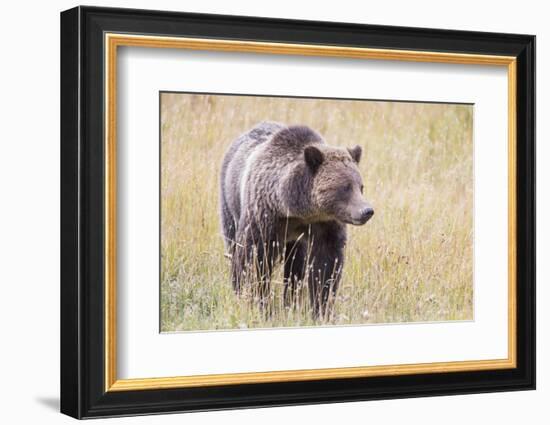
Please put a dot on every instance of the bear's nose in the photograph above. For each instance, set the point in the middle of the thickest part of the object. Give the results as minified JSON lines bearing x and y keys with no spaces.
{"x":366,"y":214}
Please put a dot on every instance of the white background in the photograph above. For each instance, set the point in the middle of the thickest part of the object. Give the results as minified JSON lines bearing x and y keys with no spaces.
{"x":143,"y":72}
{"x":29,"y":224}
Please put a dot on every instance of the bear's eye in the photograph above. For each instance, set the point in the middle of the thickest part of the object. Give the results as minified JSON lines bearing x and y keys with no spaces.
{"x":362,"y":189}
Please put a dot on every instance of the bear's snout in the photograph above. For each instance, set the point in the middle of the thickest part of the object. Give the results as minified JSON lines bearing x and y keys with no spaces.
{"x":366,"y":214}
{"x":363,"y":215}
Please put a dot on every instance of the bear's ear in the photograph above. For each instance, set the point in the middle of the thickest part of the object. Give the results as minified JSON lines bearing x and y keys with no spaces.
{"x":356,"y":153}
{"x":314,"y":157}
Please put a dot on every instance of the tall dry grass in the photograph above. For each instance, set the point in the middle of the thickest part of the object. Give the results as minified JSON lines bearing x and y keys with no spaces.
{"x":411,"y":262}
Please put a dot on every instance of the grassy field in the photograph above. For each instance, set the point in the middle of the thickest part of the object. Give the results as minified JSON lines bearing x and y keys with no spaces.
{"x":412,"y":262}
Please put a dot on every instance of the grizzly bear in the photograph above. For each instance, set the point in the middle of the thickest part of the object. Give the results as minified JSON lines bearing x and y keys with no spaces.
{"x":287,"y":196}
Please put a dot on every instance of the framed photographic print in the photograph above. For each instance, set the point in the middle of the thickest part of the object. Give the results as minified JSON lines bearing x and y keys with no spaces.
{"x":261,"y":212}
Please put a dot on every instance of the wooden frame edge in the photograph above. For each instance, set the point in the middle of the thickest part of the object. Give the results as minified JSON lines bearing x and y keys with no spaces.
{"x":306,"y":375}
{"x":512,"y":212}
{"x":110,"y":212}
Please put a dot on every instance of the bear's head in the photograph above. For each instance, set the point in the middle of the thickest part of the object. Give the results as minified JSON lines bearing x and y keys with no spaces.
{"x":337,"y":189}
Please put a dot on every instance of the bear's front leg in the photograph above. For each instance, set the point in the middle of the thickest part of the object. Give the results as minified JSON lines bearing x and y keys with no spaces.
{"x":294,"y":271}
{"x":253,"y":260}
{"x":325,"y":265}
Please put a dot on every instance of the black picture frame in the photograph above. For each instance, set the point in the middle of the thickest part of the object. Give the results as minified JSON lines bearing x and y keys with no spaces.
{"x":83,"y":392}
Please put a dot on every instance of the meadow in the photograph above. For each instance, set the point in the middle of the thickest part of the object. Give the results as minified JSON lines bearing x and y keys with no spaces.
{"x":412,"y":262}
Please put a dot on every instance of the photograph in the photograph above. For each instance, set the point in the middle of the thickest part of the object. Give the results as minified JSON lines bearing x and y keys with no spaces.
{"x":286,"y":210}
{"x":281,"y":212}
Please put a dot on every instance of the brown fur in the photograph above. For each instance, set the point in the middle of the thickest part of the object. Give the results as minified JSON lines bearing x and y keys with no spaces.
{"x":287,"y":195}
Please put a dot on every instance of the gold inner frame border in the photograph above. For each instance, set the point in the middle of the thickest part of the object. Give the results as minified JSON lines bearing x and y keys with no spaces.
{"x":113,"y":40}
